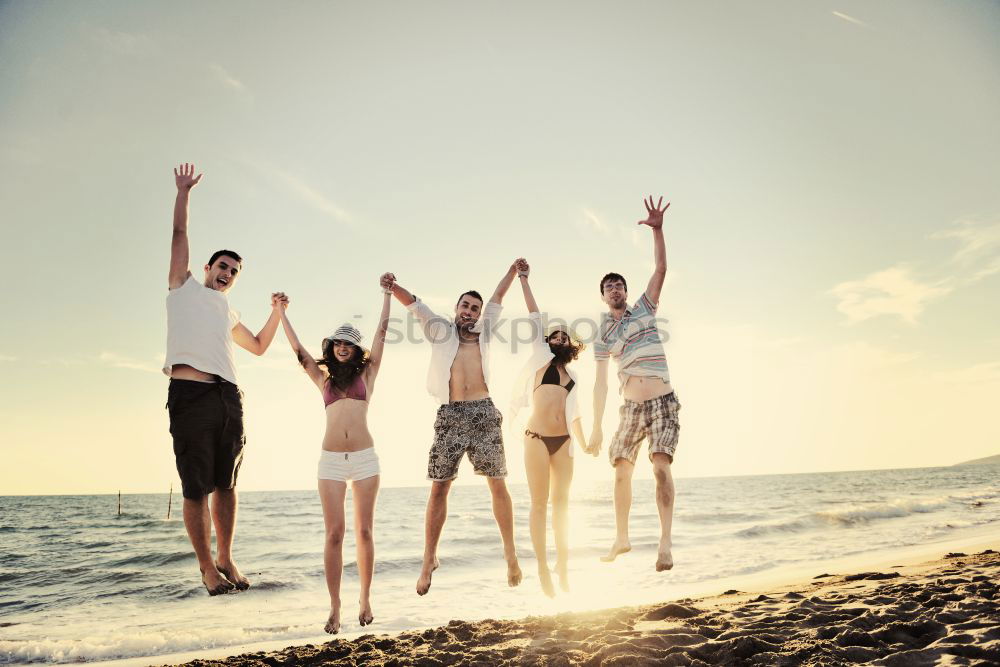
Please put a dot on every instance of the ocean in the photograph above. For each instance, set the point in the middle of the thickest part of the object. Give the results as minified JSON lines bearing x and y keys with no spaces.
{"x":80,"y":583}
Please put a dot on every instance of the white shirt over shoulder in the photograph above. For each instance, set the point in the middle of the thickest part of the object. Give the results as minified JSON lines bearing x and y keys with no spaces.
{"x":541,"y":356}
{"x":442,"y":334}
{"x":200,"y":330}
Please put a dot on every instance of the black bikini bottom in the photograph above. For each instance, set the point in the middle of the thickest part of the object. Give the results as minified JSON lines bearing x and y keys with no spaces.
{"x":552,"y":442}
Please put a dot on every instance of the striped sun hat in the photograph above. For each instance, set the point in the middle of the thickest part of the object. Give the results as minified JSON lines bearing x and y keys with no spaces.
{"x":346,"y":332}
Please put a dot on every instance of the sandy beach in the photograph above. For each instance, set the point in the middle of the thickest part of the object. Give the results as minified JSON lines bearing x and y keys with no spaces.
{"x":944,"y":611}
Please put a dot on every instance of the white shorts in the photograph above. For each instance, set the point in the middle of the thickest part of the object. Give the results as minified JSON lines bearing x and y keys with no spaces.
{"x":342,"y":466}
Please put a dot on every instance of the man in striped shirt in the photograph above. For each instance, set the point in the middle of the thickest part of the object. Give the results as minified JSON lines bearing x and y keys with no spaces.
{"x":650,"y":410}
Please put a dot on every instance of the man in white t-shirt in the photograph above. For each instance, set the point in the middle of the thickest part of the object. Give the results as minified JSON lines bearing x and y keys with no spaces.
{"x":204,"y":401}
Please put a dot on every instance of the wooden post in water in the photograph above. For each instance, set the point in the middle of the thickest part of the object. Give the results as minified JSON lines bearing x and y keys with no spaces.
{"x":170,"y":500}
{"x":119,"y":503}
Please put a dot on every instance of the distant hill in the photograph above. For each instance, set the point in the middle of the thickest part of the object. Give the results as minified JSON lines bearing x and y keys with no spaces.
{"x":980,"y":462}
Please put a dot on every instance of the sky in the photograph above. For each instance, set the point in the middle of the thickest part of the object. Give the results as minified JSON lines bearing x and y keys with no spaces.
{"x":833,"y":238}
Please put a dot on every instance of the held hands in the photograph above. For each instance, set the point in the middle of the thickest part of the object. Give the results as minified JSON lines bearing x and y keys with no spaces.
{"x":279,"y":302}
{"x":184,"y":177}
{"x":655,"y":219}
{"x":387,"y":281}
{"x":596,"y":437}
{"x":522,"y":267}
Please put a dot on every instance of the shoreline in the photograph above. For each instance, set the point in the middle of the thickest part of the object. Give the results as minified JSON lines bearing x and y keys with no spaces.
{"x":912,"y":562}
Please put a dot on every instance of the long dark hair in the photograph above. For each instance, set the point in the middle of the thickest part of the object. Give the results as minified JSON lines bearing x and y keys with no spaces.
{"x":342,"y":373}
{"x":565,"y":353}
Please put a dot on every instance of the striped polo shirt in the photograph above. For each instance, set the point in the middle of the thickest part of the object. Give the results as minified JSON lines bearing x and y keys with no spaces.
{"x":634,"y":342}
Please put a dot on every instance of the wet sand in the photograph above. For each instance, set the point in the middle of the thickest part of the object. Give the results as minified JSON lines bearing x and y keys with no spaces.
{"x":945,"y":611}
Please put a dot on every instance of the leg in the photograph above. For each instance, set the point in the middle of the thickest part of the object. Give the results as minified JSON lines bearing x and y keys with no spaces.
{"x":623,"y":504}
{"x":437,"y":512}
{"x":536,"y":465}
{"x":365,"y":492}
{"x":198,"y":523}
{"x":503,"y":512}
{"x":195,"y":417}
{"x":224,"y":503}
{"x":331,"y":495}
{"x":561,"y":466}
{"x":228,"y":457}
{"x":665,"y":506}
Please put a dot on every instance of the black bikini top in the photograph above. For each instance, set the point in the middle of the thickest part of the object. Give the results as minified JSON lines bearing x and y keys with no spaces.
{"x":551,"y":376}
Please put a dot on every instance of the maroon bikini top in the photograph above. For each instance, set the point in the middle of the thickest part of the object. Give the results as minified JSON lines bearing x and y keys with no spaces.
{"x":356,"y":390}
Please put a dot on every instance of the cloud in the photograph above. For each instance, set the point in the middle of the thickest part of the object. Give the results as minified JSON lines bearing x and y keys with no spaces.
{"x":892,"y":292}
{"x":978,"y":247}
{"x":866,"y":355}
{"x":592,"y":222}
{"x":123,"y":43}
{"x":984,"y":373}
{"x":226,"y":78}
{"x":851,"y":19}
{"x":119,"y":361}
{"x":303,"y":191}
{"x":7,"y":358}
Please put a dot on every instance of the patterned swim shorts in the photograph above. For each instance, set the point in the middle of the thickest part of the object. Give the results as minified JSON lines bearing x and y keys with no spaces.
{"x":655,"y":419}
{"x":471,"y":427}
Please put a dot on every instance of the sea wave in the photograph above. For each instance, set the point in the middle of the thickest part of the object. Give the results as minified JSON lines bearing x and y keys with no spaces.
{"x":849,"y":516}
{"x":138,"y":644}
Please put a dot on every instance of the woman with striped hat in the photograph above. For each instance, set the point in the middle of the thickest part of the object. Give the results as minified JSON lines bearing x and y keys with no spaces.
{"x":348,"y":453}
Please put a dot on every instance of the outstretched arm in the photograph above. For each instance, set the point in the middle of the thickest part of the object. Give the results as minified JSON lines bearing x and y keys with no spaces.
{"x":378,"y":344}
{"x":505,"y":282}
{"x":600,"y":400}
{"x":179,"y":253}
{"x":655,"y":221}
{"x":401,"y":293}
{"x":258,"y":344}
{"x":308,"y":364}
{"x":523,"y":269}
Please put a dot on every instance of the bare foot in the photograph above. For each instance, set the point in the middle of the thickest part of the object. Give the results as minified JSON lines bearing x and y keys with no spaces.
{"x":664,"y":559}
{"x":424,"y":582}
{"x":514,"y":572}
{"x":563,"y":573}
{"x":617,"y":549}
{"x":545,"y":579}
{"x":365,"y":612}
{"x":332,"y":626}
{"x":232,"y":573}
{"x":215,"y":583}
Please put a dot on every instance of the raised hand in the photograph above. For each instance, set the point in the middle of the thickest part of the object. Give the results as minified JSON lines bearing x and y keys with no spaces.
{"x":522,"y":267}
{"x":655,"y":219}
{"x":387,"y":280}
{"x":185,"y":178}
{"x":279,"y":301}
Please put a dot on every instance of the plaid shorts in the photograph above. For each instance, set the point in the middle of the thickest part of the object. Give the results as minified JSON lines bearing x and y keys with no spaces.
{"x":655,"y":419}
{"x":467,"y":427}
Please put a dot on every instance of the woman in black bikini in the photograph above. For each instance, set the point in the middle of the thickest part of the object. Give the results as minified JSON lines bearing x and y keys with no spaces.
{"x":550,"y":387}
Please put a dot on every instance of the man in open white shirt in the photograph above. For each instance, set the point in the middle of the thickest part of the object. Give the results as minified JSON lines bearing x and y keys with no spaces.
{"x":467,"y":421}
{"x":204,"y":401}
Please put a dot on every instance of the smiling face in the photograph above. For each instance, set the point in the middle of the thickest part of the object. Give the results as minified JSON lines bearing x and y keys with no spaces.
{"x":222,"y":273}
{"x":614,"y":293}
{"x":467,"y":312}
{"x":343,"y":351}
